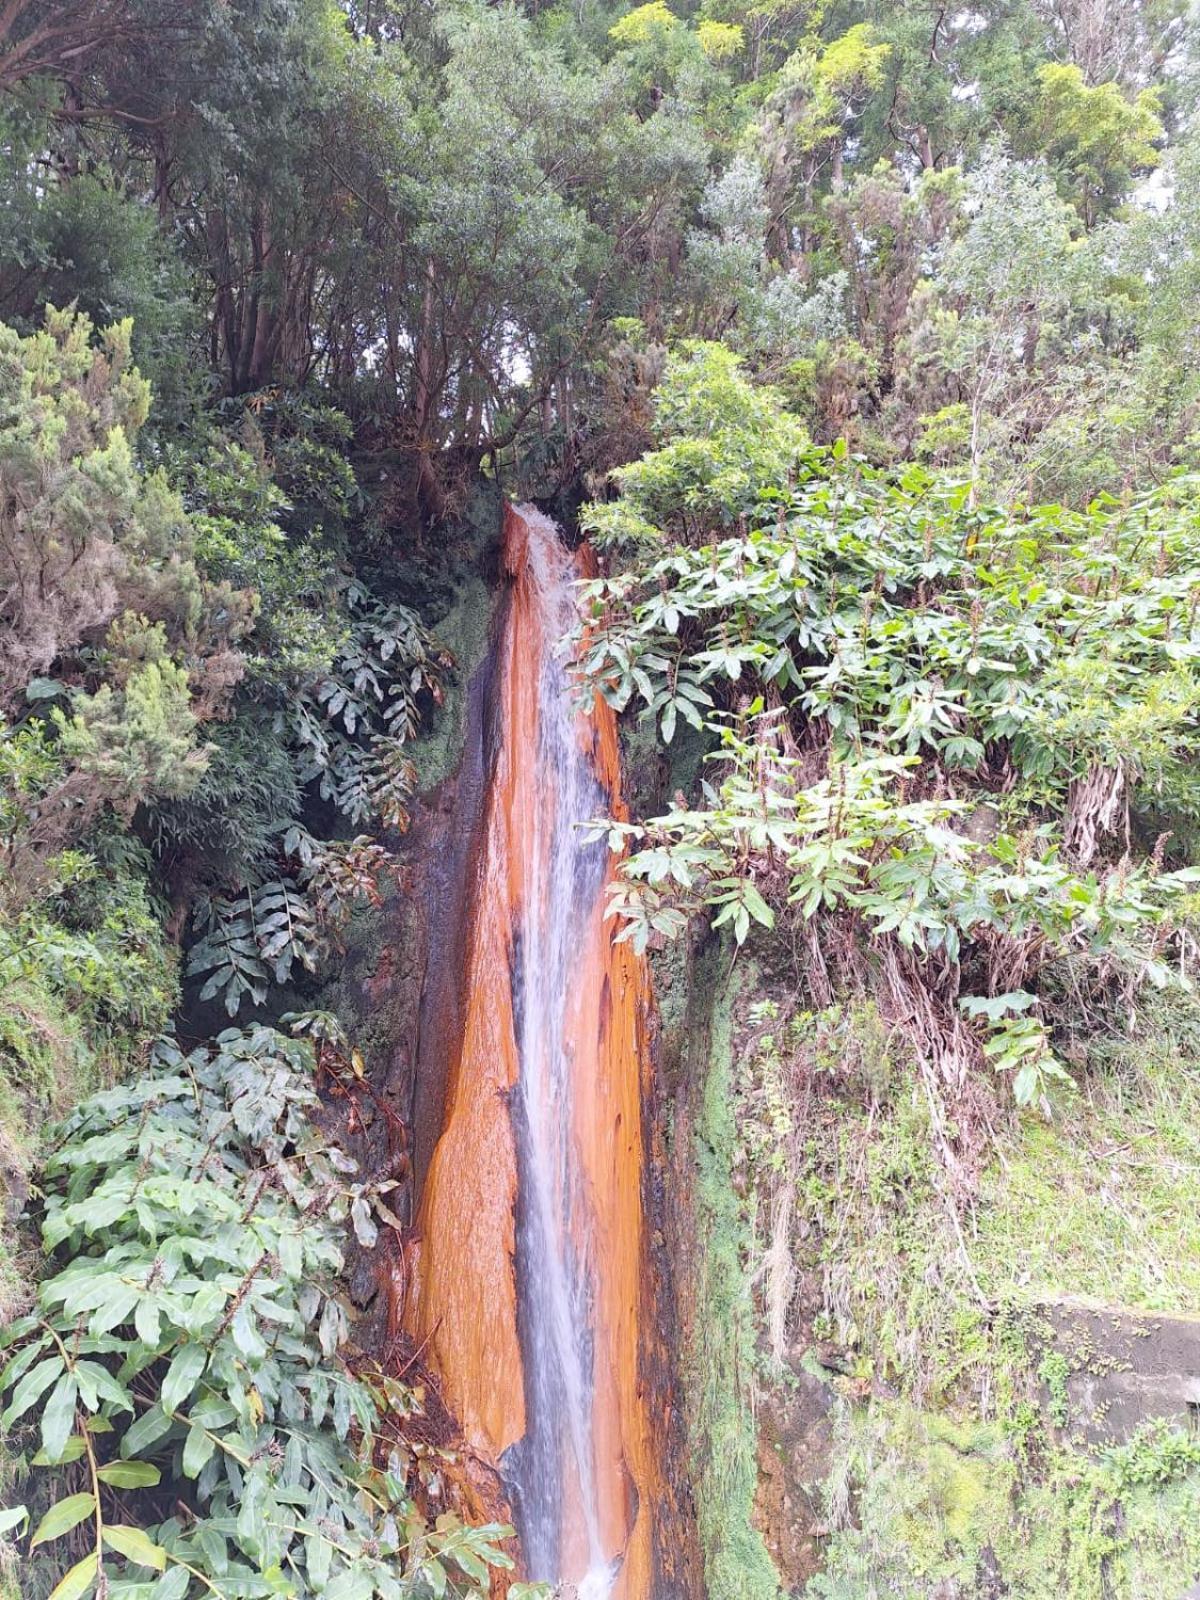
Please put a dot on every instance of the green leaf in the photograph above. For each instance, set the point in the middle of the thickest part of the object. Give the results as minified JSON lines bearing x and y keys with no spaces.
{"x":147,"y":1430}
{"x":78,"y":1580}
{"x":172,"y":1585}
{"x":129,"y":1474}
{"x":146,"y":1321}
{"x":198,"y":1448}
{"x":758,"y":907}
{"x":30,"y":1389}
{"x":246,"y":1336}
{"x":182,"y":1375}
{"x":997,"y":1006}
{"x":58,"y":1419}
{"x":135,"y":1545}
{"x":11,"y":1516}
{"x":23,"y":1359}
{"x":1025,"y":1084}
{"x":318,"y":1557}
{"x":44,"y":689}
{"x":72,"y":1451}
{"x":96,"y":1383}
{"x":434,"y":1574}
{"x":351,"y":1584}
{"x":64,"y":1516}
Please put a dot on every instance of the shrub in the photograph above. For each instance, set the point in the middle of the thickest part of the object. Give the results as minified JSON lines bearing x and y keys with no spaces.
{"x":184,"y":1353}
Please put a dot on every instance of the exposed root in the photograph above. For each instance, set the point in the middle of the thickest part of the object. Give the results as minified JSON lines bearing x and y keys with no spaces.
{"x":1097,"y":808}
{"x":777,"y":1270}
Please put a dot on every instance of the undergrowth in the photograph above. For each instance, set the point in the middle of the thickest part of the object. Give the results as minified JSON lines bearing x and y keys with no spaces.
{"x":955,"y":1508}
{"x":179,"y":1394}
{"x":951,"y":1454}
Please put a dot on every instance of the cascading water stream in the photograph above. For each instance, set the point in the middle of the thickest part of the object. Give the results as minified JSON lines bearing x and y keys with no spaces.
{"x":530,"y":1269}
{"x":562,"y":878}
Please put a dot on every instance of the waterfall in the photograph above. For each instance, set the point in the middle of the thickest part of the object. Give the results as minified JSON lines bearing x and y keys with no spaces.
{"x":530,"y":1266}
{"x":562,"y":878}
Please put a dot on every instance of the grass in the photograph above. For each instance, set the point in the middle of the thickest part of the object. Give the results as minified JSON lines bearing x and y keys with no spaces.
{"x":938,"y":1513}
{"x":45,"y":1067}
{"x":1102,"y":1202}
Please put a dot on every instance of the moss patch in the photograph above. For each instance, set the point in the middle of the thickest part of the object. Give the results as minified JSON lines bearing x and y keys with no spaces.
{"x":719,"y":1364}
{"x":463,"y":629}
{"x":922,"y":1512}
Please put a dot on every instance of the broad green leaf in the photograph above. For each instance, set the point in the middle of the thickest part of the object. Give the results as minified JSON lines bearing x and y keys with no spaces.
{"x":97,"y":1384}
{"x":72,"y":1451}
{"x":78,"y":1580}
{"x":147,"y":1430}
{"x":30,"y":1389}
{"x":318,"y":1557}
{"x":129,"y":1474}
{"x":147,"y":1322}
{"x":246,"y":1336}
{"x":182,"y":1375}
{"x":1025,"y":1085}
{"x":11,"y":1517}
{"x":22,"y":1361}
{"x":214,"y":1545}
{"x":291,"y":1254}
{"x":135,"y":1545}
{"x":173,"y":1585}
{"x":434,"y":1574}
{"x":198,"y":1448}
{"x":58,"y":1419}
{"x":350,"y":1584}
{"x":64,"y":1516}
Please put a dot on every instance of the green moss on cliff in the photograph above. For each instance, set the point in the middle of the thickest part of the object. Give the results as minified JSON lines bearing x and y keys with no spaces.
{"x":964,"y":1516}
{"x":719,"y":1364}
{"x":464,"y":631}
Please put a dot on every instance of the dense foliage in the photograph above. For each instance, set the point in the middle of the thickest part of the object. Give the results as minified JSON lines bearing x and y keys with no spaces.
{"x":185,"y":1340}
{"x":945,"y":733}
{"x":866,"y":334}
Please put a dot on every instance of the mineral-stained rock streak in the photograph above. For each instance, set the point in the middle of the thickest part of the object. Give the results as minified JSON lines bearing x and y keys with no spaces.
{"x":530,"y":1270}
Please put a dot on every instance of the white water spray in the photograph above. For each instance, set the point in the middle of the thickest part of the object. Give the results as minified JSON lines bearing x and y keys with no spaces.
{"x":552,"y":1473}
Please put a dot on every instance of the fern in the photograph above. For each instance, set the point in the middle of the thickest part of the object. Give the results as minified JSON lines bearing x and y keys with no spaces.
{"x":345,"y":875}
{"x":391,"y":779}
{"x":228,"y":952}
{"x":247,"y":942}
{"x":348,"y":727}
{"x":286,"y":928}
{"x":294,"y":920}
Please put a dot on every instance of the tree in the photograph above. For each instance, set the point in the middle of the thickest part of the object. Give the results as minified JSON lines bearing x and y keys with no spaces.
{"x":1096,"y":140}
{"x":721,"y":441}
{"x":61,"y":37}
{"x":819,"y":92}
{"x":1008,"y":279}
{"x":74,"y":506}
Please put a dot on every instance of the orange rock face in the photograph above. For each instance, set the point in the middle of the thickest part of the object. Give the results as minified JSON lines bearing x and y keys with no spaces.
{"x":465,"y":1303}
